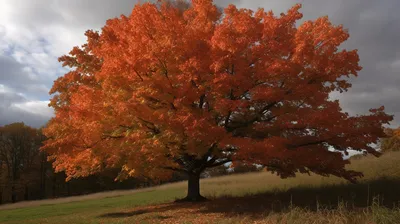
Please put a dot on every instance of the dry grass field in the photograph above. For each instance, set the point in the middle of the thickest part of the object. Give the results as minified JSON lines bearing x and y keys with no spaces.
{"x":247,"y":198}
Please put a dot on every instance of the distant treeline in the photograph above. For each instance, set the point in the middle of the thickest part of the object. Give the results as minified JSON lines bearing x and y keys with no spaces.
{"x":25,"y":173}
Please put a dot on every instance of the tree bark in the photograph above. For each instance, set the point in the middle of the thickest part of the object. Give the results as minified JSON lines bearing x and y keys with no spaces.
{"x":26,"y":195}
{"x":54,"y":185}
{"x":13,"y":194}
{"x":43,"y":177}
{"x":193,"y":190}
{"x":68,"y":188}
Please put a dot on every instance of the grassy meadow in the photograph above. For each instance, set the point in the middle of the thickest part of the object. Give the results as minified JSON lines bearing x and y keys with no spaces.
{"x":246,"y":198}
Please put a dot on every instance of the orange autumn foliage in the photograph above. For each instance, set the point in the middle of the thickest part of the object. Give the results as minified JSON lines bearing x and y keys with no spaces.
{"x":167,"y":89}
{"x":397,"y":132}
{"x":392,"y":141}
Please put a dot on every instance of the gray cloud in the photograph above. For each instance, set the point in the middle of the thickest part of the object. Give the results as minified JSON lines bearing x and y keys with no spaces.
{"x":8,"y":98}
{"x":11,"y":71}
{"x":14,"y":107}
{"x":21,"y":79}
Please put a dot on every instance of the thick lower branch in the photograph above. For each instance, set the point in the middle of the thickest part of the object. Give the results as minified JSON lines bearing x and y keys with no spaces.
{"x":175,"y":169}
{"x":219,"y":163}
{"x":256,"y":118}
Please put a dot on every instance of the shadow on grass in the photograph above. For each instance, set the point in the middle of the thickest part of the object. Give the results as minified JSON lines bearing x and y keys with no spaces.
{"x":352,"y":196}
{"x":124,"y":214}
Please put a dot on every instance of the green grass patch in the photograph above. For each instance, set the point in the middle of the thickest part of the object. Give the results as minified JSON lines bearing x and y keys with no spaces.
{"x":93,"y":206}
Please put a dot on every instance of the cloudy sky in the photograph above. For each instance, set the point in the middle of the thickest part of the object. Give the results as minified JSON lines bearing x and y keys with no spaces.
{"x":33,"y":34}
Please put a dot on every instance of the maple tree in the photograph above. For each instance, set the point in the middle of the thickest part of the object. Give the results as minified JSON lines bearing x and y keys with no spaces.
{"x":167,"y":89}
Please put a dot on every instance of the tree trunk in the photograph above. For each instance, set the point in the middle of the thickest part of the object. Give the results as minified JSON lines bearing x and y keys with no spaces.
{"x":43,"y":177}
{"x":13,"y":194}
{"x":54,"y":185}
{"x":26,"y":195}
{"x":68,"y":189}
{"x":193,"y":191}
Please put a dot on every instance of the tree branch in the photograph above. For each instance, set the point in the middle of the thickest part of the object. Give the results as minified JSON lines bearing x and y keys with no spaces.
{"x":174,"y":169}
{"x":256,"y":118}
{"x":307,"y":144}
{"x":137,"y":73}
{"x":201,"y":102}
{"x":219,"y":163}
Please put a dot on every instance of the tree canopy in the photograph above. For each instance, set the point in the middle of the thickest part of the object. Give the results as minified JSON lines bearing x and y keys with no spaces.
{"x":169,"y":89}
